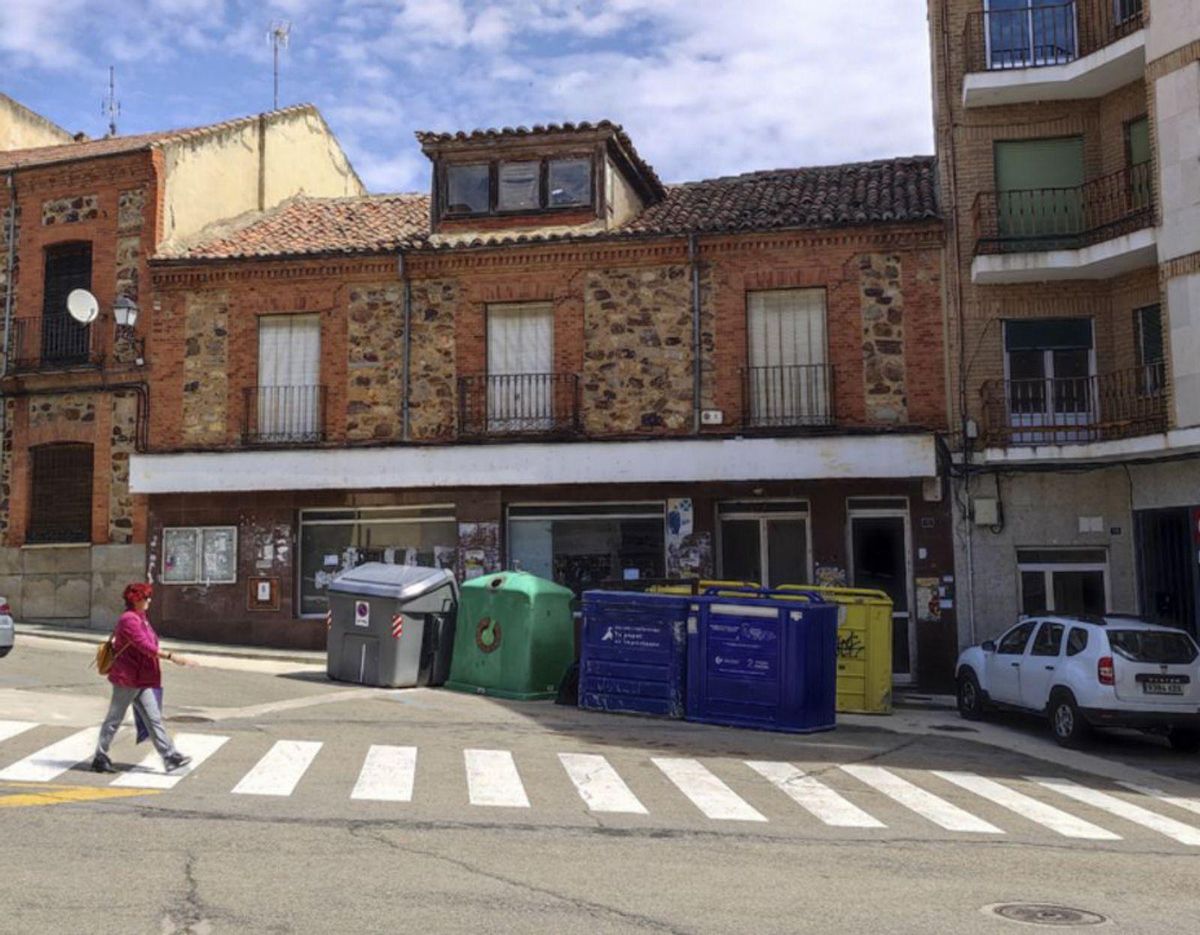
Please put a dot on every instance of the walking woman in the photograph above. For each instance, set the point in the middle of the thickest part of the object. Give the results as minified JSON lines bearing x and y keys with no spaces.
{"x":135,"y":674}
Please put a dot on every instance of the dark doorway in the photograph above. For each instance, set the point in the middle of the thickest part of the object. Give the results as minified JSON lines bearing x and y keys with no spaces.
{"x":1167,"y":567}
{"x":880,"y":561}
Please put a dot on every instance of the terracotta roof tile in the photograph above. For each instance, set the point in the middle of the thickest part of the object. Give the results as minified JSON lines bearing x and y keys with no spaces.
{"x":118,"y":145}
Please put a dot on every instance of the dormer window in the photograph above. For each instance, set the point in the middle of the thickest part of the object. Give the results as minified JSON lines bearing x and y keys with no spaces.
{"x":517,"y":186}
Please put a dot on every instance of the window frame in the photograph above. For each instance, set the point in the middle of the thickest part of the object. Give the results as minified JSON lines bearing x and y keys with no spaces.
{"x":1048,"y":568}
{"x":45,"y":533}
{"x":1029,"y":626}
{"x":494,"y":209}
{"x":1048,"y":626}
{"x":199,"y":533}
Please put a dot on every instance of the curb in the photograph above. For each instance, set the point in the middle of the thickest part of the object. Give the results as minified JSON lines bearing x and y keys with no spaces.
{"x":95,"y":637}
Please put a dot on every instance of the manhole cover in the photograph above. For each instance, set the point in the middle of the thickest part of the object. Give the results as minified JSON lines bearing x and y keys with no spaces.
{"x":1041,"y":914}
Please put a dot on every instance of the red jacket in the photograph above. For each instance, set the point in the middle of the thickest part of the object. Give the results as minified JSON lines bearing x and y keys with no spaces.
{"x":136,"y":646}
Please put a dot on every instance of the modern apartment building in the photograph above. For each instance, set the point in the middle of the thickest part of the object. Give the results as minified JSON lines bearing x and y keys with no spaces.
{"x":1068,"y":136}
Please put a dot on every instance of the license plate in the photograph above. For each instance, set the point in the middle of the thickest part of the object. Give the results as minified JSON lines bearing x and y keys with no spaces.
{"x":1162,"y":688}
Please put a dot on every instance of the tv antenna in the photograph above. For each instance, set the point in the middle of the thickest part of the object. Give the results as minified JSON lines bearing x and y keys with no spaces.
{"x":110,"y":107}
{"x":279,"y":36}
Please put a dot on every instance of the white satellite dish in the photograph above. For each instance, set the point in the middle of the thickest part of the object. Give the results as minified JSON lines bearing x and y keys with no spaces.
{"x":82,"y":306}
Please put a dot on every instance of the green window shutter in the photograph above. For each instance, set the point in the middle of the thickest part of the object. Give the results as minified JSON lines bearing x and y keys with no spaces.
{"x":1138,"y":153}
{"x":1038,"y":186}
{"x":1139,"y":141}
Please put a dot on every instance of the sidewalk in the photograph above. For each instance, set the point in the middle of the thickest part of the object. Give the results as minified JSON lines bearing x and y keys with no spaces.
{"x":187,"y":647}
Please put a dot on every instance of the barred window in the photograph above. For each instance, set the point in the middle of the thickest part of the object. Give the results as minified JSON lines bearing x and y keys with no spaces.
{"x":61,"y":495}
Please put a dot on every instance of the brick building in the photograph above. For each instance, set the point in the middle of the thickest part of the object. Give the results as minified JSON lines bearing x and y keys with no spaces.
{"x":80,"y":214}
{"x":1068,"y":138}
{"x":556,"y":361}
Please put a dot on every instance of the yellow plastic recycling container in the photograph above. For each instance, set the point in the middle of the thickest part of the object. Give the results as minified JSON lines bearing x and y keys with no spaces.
{"x":701,"y":586}
{"x":864,"y":666}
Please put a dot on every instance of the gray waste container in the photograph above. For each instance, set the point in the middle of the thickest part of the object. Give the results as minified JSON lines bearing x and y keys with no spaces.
{"x":391,"y":625}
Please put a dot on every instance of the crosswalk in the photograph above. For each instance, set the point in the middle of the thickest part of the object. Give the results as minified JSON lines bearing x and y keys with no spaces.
{"x":864,"y":797}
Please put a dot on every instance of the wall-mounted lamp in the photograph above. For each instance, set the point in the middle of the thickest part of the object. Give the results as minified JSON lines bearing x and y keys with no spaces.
{"x":125,"y":311}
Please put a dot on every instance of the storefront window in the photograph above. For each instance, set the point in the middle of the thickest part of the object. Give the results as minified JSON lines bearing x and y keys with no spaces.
{"x":338,"y":539}
{"x":582,"y":546}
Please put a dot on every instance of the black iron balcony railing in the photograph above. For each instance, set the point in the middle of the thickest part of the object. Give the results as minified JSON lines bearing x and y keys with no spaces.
{"x":284,"y":415}
{"x":1025,"y":220}
{"x":518,"y":404}
{"x":52,"y":343}
{"x":1036,"y":33}
{"x":1122,"y":404}
{"x":785,"y":396}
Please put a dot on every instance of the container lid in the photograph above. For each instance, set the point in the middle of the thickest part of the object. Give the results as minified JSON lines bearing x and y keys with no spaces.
{"x":521,"y":582}
{"x":403,"y":582}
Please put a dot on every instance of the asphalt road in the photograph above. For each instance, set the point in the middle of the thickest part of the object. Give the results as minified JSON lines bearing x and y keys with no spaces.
{"x":870,"y":828}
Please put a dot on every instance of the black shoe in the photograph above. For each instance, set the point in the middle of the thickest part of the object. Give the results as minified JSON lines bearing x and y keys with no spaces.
{"x":176,"y":761}
{"x":102,"y":764}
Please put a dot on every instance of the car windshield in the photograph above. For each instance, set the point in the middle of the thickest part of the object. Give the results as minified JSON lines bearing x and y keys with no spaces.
{"x":1160,"y":646}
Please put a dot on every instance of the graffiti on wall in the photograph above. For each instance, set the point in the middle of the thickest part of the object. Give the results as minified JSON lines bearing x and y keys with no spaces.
{"x":478,"y":549}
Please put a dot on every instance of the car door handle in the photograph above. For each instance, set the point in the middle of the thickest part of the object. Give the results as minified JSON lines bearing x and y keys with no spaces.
{"x":1015,"y":665}
{"x":1049,"y":668}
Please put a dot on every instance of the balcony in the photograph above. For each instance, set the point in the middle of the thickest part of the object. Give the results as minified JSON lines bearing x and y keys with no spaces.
{"x":52,"y":343}
{"x":1078,"y":410}
{"x":518,"y":404}
{"x":284,"y":415}
{"x":1100,"y":229}
{"x":783,"y":397}
{"x":1039,"y":51}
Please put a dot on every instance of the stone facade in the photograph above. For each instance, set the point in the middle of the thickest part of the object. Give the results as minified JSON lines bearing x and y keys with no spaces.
{"x":72,"y":407}
{"x":637,"y":360}
{"x":883,"y":338}
{"x":70,"y":210}
{"x":131,"y":206}
{"x":5,"y":220}
{"x":433,"y":362}
{"x":6,"y":453}
{"x":205,"y":369}
{"x":124,"y":439}
{"x":375,"y":370}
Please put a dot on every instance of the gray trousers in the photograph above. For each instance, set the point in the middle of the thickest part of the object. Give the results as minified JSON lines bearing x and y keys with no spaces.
{"x":146,"y":705}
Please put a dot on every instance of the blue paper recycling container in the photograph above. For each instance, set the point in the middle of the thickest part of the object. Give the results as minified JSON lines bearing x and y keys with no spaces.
{"x":633,"y":652}
{"x":763,"y":661}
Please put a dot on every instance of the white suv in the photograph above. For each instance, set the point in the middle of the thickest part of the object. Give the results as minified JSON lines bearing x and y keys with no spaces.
{"x":1086,"y":672}
{"x":6,"y":628}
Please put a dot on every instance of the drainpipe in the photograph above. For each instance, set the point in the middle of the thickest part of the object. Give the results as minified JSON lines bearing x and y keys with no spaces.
{"x":402,"y":270}
{"x":697,"y":362}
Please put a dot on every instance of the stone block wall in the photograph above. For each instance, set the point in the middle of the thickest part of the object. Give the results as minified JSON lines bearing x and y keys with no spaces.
{"x":71,"y":209}
{"x":124,"y":439}
{"x":375,"y":366}
{"x":72,"y":407}
{"x":883,"y":338}
{"x":6,"y":218}
{"x":6,"y":462}
{"x":205,"y":369}
{"x":637,"y":357}
{"x":432,"y":382}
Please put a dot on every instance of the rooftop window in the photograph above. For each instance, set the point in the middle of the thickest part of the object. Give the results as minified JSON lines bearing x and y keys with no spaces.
{"x":518,"y":186}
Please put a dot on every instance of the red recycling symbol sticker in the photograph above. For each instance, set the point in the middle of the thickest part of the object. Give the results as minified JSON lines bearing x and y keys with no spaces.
{"x":398,"y":625}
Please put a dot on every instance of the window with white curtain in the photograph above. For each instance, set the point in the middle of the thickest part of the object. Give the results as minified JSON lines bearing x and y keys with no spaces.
{"x":520,"y":365}
{"x":788,"y":378}
{"x":289,"y":373}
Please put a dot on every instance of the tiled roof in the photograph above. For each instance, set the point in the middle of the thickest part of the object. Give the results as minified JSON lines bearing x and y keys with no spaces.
{"x":429,"y":138}
{"x":887,"y":191}
{"x":117,"y":145}
{"x":367,"y":224}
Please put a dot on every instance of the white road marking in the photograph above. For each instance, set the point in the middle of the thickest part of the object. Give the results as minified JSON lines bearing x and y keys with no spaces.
{"x":925,"y":804}
{"x":150,"y":774}
{"x":814,"y":796}
{"x":599,"y":785}
{"x":54,"y":760}
{"x":706,"y":791}
{"x":9,"y":729}
{"x":278,"y":772}
{"x":387,"y":774}
{"x":1192,"y":805}
{"x":1027,"y":806}
{"x":1184,"y":834}
{"x":492,"y":779}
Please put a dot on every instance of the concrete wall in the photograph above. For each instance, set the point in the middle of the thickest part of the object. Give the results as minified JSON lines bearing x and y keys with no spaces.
{"x":1171,"y":24}
{"x":1040,"y":510}
{"x":1177,"y":112}
{"x":250,"y":166}
{"x":1155,"y":486}
{"x":73,"y":585}
{"x":1183,"y":311}
{"x":623,"y":202}
{"x":21,"y":128}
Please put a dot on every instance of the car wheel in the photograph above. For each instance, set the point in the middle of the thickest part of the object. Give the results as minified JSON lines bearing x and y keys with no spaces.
{"x":970,"y":696}
{"x":5,"y":651}
{"x":1184,"y":739}
{"x":1068,"y":725}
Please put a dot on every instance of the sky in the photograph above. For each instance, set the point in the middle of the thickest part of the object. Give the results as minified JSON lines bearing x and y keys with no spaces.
{"x":705,"y":88}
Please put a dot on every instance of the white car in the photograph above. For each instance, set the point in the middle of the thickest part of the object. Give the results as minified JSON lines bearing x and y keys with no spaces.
{"x":6,"y":628}
{"x":1085,"y":672}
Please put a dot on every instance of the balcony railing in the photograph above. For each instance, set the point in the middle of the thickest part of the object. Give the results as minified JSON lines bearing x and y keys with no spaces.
{"x":284,"y":415}
{"x":1024,"y":220}
{"x":518,"y":404}
{"x":56,"y":343}
{"x":787,"y":396}
{"x":1122,"y":404}
{"x":1036,"y":35}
